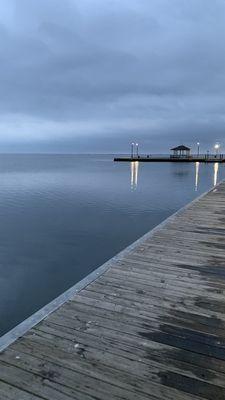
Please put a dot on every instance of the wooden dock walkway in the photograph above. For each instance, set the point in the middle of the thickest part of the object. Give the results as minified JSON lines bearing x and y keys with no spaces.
{"x":149,"y":325}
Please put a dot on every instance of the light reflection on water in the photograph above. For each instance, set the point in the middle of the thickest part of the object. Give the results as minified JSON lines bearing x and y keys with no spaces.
{"x":134,"y":165}
{"x":215,"y":177}
{"x":196,"y":175}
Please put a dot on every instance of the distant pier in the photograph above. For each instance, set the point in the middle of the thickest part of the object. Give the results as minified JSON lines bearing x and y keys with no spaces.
{"x":147,"y":325}
{"x":179,"y":154}
{"x":220,"y":158}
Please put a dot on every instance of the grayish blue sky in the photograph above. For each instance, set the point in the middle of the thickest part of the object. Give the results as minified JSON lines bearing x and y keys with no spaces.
{"x":94,"y":75}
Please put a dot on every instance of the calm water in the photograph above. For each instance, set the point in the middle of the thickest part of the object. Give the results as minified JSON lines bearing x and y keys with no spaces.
{"x":61,"y":216}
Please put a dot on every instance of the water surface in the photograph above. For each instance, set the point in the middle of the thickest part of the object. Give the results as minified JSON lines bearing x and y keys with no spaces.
{"x":61,"y":216}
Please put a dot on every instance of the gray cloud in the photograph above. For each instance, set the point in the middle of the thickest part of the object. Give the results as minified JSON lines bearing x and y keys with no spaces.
{"x":93,"y":74}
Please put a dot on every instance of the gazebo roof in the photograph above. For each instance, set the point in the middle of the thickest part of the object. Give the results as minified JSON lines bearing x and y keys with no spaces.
{"x":182,"y":147}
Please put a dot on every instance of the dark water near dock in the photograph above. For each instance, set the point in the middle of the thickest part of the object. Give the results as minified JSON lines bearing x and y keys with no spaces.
{"x":61,"y":216}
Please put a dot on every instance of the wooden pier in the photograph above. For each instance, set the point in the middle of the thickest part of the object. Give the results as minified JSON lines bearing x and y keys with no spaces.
{"x":147,"y":325}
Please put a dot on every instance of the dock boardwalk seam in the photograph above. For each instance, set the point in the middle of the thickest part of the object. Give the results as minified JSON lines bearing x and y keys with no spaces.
{"x":22,"y":328}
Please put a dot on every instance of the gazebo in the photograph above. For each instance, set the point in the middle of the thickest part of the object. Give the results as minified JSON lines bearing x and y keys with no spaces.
{"x":181,"y":151}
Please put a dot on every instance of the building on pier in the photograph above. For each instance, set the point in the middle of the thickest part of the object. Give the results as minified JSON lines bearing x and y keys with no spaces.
{"x":181,"y":151}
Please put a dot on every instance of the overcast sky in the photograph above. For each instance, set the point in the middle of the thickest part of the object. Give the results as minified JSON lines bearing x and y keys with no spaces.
{"x":94,"y":75}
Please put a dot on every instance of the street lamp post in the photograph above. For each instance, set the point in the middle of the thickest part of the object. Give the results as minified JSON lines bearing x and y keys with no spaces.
{"x":137,"y":149}
{"x":132,"y":150}
{"x":198,"y":144}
